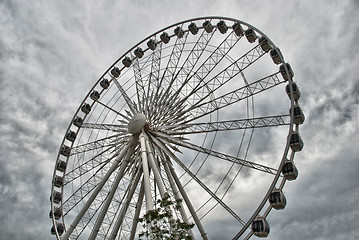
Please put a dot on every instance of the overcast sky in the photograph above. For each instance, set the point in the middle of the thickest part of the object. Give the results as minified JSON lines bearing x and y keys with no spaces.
{"x":52,"y":52}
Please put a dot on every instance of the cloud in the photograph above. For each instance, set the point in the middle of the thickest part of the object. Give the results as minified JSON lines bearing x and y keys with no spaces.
{"x":52,"y":52}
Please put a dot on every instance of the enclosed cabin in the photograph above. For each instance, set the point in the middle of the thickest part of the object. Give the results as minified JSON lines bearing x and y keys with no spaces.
{"x":277,"y":199}
{"x":179,"y":32}
{"x":296,"y":92}
{"x":260,"y":227}
{"x":65,"y":151}
{"x":71,"y":136}
{"x":57,"y":213}
{"x":138,"y":52}
{"x":282,"y":70}
{"x":115,"y":72}
{"x":274,"y":53}
{"x":289,"y":170}
{"x":296,"y":142}
{"x":105,"y":83}
{"x":95,"y":95}
{"x":127,"y":62}
{"x":78,"y":122}
{"x":298,"y":115}
{"x":264,"y":43}
{"x":237,"y":28}
{"x":58,"y":181}
{"x":222,"y":27}
{"x":208,"y":27}
{"x":193,"y":28}
{"x":250,"y":35}
{"x":86,"y":108}
{"x":55,"y":197}
{"x":152,"y":44}
{"x":61,"y":166}
{"x":165,"y":37}
{"x":59,"y":229}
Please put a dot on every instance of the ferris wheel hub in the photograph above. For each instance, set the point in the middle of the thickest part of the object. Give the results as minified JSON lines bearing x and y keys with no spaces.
{"x":137,"y":123}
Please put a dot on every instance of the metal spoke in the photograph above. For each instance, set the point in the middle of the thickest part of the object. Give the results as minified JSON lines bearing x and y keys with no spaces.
{"x":172,"y":65}
{"x":87,"y":166}
{"x":195,"y":128}
{"x":111,"y":141}
{"x":197,"y":78}
{"x":94,"y":194}
{"x":234,"y":96}
{"x":104,"y":210}
{"x":102,"y":126}
{"x":140,"y":85}
{"x":153,"y":78}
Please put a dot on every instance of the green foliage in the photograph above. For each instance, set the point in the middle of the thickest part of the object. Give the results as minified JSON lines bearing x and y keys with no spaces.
{"x":160,"y":224}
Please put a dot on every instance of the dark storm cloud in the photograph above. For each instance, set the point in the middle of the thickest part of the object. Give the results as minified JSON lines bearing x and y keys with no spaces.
{"x":52,"y":52}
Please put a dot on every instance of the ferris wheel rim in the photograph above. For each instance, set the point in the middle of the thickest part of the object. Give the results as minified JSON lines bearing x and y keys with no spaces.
{"x":162,"y":30}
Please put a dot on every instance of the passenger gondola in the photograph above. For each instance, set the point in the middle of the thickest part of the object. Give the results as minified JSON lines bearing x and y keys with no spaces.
{"x":151,"y":44}
{"x":86,"y":108}
{"x":274,"y":53}
{"x":193,"y":28}
{"x":222,"y":27}
{"x":71,"y":136}
{"x":260,"y":227}
{"x":139,"y":52}
{"x":296,"y":142}
{"x":78,"y":122}
{"x":127,"y":61}
{"x":165,"y":38}
{"x":58,"y":181}
{"x":65,"y":151}
{"x":237,"y":28}
{"x":104,"y":83}
{"x":284,"y":73}
{"x":296,"y":92}
{"x":250,"y":35}
{"x":60,"y":229}
{"x":179,"y":32}
{"x":56,"y":197}
{"x":208,"y":27}
{"x":298,"y":115}
{"x":57,"y":213}
{"x":115,"y":72}
{"x":290,"y":171}
{"x":263,"y":42}
{"x":61,"y":166}
{"x":277,"y":199}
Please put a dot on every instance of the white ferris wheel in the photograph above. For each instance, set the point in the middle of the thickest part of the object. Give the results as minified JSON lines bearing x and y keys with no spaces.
{"x":204,"y":110}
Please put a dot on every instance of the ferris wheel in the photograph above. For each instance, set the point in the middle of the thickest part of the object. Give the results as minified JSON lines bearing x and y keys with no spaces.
{"x":204,"y":111}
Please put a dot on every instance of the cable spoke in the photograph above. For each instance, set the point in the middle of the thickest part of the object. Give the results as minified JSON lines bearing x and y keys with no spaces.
{"x":193,"y":176}
{"x":130,"y":104}
{"x":216,"y":154}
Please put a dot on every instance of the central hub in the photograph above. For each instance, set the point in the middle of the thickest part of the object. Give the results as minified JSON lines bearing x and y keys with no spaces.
{"x":137,"y":123}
